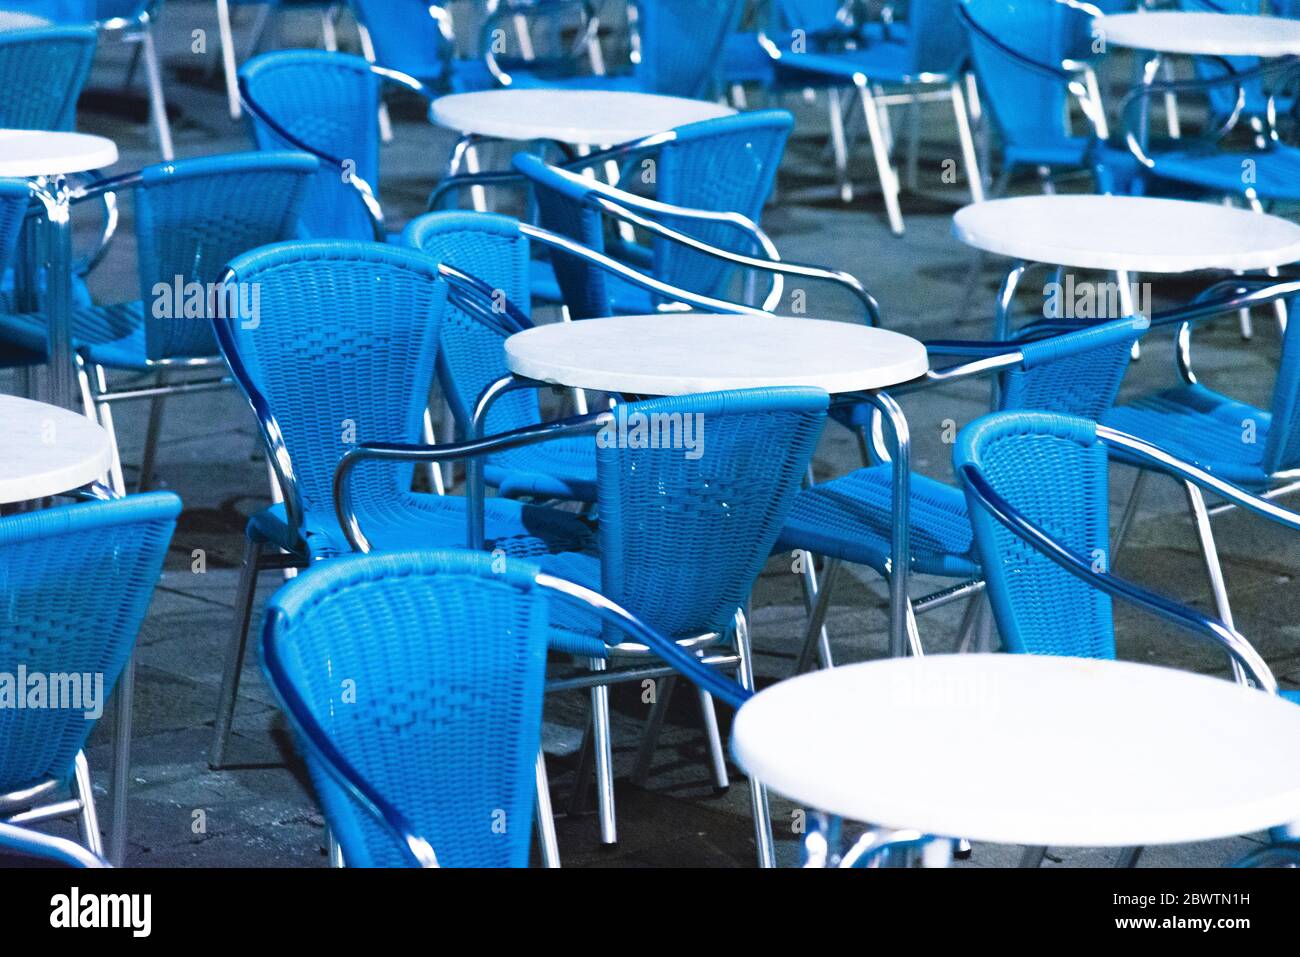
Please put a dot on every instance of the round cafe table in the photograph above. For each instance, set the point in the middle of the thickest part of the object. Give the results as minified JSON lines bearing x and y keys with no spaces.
{"x":1028,"y":749}
{"x":48,"y":450}
{"x":47,"y":159}
{"x":576,"y":117}
{"x":681,"y":353}
{"x":1202,"y":33}
{"x":1123,"y":235}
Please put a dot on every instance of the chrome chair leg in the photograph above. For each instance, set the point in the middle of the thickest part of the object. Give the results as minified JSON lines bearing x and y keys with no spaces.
{"x":98,"y":386}
{"x":653,"y":725}
{"x":1130,"y":512}
{"x":228,"y":58}
{"x":1128,"y":857}
{"x":546,"y":839}
{"x":884,"y":167}
{"x":969,"y":620}
{"x":1213,"y":567}
{"x":87,"y":819}
{"x":717,"y":754}
{"x":333,"y":849}
{"x":1033,"y":856}
{"x":757,"y":792}
{"x":157,"y":101}
{"x":815,"y":636}
{"x":582,"y":772}
{"x":839,"y":144}
{"x":121,"y":763}
{"x":235,"y":654}
{"x":604,"y":747}
{"x":151,"y":439}
{"x":969,"y":159}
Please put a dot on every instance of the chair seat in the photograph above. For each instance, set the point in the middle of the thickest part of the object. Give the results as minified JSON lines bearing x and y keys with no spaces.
{"x":1276,"y":171}
{"x":110,"y":335}
{"x":421,"y":520}
{"x":744,"y":60}
{"x":564,"y":468}
{"x":1293,"y":695}
{"x":627,"y":299}
{"x":850,"y":518}
{"x":1200,"y":426}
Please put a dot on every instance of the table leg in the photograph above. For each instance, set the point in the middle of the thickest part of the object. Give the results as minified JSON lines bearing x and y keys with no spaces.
{"x":53,"y":195}
{"x":1002,"y":319}
{"x":121,"y":764}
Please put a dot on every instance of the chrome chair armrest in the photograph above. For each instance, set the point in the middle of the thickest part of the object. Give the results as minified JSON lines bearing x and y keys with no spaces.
{"x":272,"y":434}
{"x":1211,"y":629}
{"x":480,"y":300}
{"x":416,"y":849}
{"x":566,"y":246}
{"x":472,"y":448}
{"x":48,"y":847}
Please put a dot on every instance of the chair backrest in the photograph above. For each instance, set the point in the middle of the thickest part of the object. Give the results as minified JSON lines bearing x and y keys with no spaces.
{"x":1053,"y":469}
{"x":14,"y":197}
{"x":444,"y":722}
{"x":192,"y":217}
{"x":681,"y":44}
{"x":1028,"y":106}
{"x":42,"y":71}
{"x":471,"y":355}
{"x":693,"y":491}
{"x":1283,"y":448}
{"x":722,"y":165}
{"x":327,"y":102}
{"x":75,"y":584}
{"x":933,"y":39}
{"x":341,"y":350}
{"x":406,"y":36}
{"x":1078,"y":373}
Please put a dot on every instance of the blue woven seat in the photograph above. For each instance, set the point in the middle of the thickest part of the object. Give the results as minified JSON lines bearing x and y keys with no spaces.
{"x":75,"y":584}
{"x":848,"y":518}
{"x":343,"y":352}
{"x":1275,"y":172}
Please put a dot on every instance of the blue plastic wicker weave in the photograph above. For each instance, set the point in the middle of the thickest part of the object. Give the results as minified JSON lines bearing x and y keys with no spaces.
{"x":42,"y":72}
{"x":447,"y":657}
{"x":1053,"y":469}
{"x":1231,"y":439}
{"x":722,"y":165}
{"x":75,"y":583}
{"x":329,"y":102}
{"x":343,"y":352}
{"x":471,"y":355}
{"x":14,"y":197}
{"x":685,"y":528}
{"x":408,"y":39}
{"x":850,"y":517}
{"x":191,"y":218}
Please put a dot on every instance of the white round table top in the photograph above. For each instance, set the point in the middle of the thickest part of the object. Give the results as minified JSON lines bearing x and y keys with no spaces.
{"x":47,"y":450}
{"x":577,"y":117}
{"x":1026,"y":749}
{"x":30,"y":153}
{"x":1134,"y":233}
{"x":19,"y":20}
{"x":1206,"y":33}
{"x":681,"y":353}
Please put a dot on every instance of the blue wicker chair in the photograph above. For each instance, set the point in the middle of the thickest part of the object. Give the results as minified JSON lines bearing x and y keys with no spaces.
{"x":75,"y":584}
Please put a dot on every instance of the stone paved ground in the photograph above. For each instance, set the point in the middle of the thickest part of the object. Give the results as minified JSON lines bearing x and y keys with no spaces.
{"x":261,"y":812}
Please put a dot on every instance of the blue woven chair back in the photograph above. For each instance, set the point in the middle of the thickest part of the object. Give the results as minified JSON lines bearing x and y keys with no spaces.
{"x":119,"y":9}
{"x":426,"y":671}
{"x":329,"y":102}
{"x":42,"y":72}
{"x":687,"y":524}
{"x":406,"y":37}
{"x":14,"y":197}
{"x":1283,"y":449}
{"x":342,"y":351}
{"x":75,"y":583}
{"x":471,"y":355}
{"x":933,"y":38}
{"x":56,"y":11}
{"x":809,"y":16}
{"x":722,"y":165}
{"x":681,"y":45}
{"x":192,"y":217}
{"x":1054,"y":471}
{"x":1028,"y":107}
{"x":1078,"y":373}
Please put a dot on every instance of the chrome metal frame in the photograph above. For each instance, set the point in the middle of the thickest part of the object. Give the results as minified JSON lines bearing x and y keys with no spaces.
{"x":823,"y":845}
{"x":22,"y":808}
{"x":586,"y":42}
{"x":47,"y":847}
{"x":140,"y":30}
